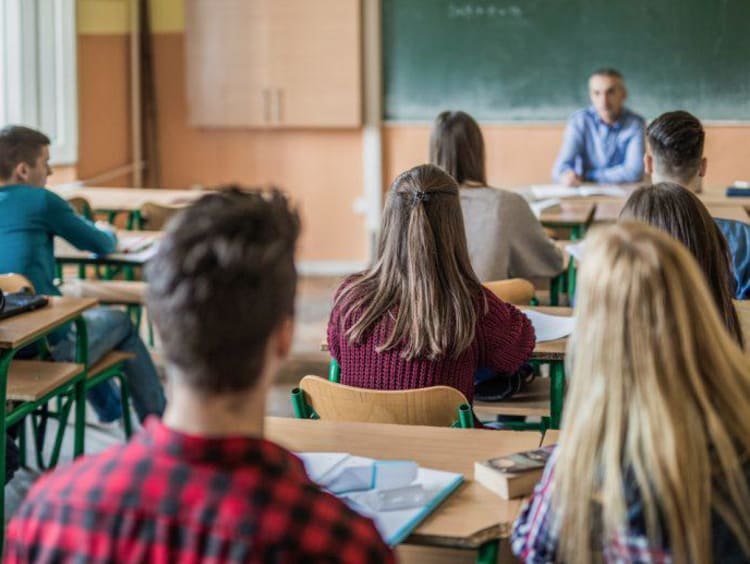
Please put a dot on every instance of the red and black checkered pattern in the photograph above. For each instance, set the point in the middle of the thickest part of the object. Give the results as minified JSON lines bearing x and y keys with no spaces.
{"x":168,"y":497}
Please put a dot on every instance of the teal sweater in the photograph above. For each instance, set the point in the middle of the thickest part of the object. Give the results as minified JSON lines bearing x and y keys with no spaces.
{"x":29,"y":219}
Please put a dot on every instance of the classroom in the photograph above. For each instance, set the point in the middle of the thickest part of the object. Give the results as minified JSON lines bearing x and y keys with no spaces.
{"x":422,"y":281}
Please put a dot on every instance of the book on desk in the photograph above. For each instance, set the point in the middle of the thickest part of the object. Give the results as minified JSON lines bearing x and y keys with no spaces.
{"x":514,"y":475}
{"x":396,"y":495}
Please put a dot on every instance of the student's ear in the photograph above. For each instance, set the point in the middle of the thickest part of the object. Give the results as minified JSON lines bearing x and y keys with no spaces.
{"x":21,"y":172}
{"x":702,"y":168}
{"x":648,"y":164}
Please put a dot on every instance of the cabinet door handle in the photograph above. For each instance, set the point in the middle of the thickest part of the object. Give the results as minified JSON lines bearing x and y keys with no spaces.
{"x":267,"y":105}
{"x":278,"y":105}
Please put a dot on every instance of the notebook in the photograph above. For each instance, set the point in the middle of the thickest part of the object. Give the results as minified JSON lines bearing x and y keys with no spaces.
{"x":363,"y":483}
{"x":19,"y":302}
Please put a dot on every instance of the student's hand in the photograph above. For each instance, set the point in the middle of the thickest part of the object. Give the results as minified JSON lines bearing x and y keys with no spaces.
{"x":570,"y":178}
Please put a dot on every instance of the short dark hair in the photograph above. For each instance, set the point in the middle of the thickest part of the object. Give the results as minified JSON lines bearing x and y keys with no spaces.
{"x":222,"y":280}
{"x":678,"y":212}
{"x":676,"y":140}
{"x":19,"y":144}
{"x":607,"y":71}
{"x":457,"y":146}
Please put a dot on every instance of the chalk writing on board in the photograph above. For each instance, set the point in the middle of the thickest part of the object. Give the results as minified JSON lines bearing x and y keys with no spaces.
{"x":481,"y":10}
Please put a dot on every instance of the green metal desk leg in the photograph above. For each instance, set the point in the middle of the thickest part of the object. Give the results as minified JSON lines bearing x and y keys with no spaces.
{"x":488,"y":552}
{"x":334,"y":371}
{"x":575,"y":232}
{"x":557,"y":391}
{"x":571,"y":280}
{"x":82,"y":357}
{"x":5,"y":358}
{"x":554,"y":290}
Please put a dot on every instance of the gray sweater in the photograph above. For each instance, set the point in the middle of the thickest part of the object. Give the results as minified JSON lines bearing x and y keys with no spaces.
{"x":505,"y":238}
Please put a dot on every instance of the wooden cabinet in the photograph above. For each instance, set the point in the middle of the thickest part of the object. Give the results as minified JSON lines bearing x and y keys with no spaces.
{"x":274,"y":63}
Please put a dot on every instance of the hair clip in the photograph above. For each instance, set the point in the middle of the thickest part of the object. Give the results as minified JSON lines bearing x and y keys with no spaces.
{"x":419,"y":196}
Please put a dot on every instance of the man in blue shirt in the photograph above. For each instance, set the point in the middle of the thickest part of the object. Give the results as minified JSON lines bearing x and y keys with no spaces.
{"x":30,"y":218}
{"x":675,"y":154}
{"x":604,"y":142}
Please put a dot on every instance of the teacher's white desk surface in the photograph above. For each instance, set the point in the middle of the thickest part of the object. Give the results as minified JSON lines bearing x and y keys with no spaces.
{"x":470,"y":517}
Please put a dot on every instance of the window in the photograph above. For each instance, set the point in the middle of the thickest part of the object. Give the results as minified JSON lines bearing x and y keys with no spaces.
{"x":38,"y":71}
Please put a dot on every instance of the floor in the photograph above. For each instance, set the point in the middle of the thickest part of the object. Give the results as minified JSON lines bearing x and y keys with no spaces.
{"x":314,"y":299}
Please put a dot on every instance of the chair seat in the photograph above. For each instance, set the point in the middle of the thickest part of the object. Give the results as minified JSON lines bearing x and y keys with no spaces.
{"x":31,"y":380}
{"x":107,"y":291}
{"x":108,"y":361}
{"x":534,"y":400}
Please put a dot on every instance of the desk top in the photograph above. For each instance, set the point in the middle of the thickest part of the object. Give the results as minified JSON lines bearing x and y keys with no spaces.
{"x":22,"y":329}
{"x":128,"y":199}
{"x":65,"y":252}
{"x":550,"y":350}
{"x":470,"y":516}
{"x":569,"y":213}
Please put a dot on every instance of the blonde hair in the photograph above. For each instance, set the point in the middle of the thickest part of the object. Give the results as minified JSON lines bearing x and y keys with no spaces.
{"x":658,"y":400}
{"x":422,"y":276}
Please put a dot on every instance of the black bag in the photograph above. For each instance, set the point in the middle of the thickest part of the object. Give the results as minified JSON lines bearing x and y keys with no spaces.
{"x":500,"y":387}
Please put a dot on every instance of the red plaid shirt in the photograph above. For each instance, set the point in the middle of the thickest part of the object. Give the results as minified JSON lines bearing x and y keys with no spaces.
{"x":168,"y":497}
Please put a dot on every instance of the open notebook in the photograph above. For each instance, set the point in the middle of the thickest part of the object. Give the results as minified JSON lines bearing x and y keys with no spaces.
{"x":363,"y":483}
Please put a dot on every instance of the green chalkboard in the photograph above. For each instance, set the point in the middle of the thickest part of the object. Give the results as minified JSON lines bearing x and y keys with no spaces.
{"x":528,"y":60}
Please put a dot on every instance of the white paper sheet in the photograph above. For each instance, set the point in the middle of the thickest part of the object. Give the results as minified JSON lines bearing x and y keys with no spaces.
{"x":550,"y":327}
{"x":541,"y":191}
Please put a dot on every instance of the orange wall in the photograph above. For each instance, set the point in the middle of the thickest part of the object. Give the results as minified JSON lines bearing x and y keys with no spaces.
{"x":518,"y":155}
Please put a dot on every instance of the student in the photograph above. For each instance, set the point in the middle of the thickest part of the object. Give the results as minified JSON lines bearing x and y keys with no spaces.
{"x":679,"y":213}
{"x":653,"y":461}
{"x":505,"y":239}
{"x":203,"y":484}
{"x":675,"y":154}
{"x":31,"y":217}
{"x":419,"y":316}
{"x":604,"y":142}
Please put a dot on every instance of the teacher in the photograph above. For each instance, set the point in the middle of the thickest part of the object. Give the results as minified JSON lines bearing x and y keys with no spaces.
{"x":604,"y":142}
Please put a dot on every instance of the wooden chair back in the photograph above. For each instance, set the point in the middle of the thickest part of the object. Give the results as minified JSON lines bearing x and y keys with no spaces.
{"x":81,"y":207}
{"x":436,"y":406}
{"x":516,"y":291}
{"x":743,"y":312}
{"x":15,"y":283}
{"x":155,"y":216}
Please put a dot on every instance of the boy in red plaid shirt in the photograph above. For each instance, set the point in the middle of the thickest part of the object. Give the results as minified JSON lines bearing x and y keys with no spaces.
{"x":203,"y":485}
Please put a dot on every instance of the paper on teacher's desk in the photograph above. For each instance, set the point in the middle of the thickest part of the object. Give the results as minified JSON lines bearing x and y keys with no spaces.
{"x":539,"y":206}
{"x":540,"y":191}
{"x":550,"y":327}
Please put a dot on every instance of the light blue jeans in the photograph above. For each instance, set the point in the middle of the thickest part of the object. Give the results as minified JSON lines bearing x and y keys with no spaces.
{"x":111,"y":329}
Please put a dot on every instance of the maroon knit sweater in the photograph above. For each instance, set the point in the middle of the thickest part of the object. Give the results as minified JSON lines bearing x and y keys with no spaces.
{"x":504,"y":340}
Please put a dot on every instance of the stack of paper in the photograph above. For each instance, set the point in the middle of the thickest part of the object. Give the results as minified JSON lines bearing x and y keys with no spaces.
{"x":540,"y":191}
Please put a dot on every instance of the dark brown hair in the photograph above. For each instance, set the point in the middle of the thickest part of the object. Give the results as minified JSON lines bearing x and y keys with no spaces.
{"x":221,"y":282}
{"x":422,"y":275}
{"x":607,"y":71}
{"x":19,"y":144}
{"x":677,"y":211}
{"x":457,"y":146}
{"x":676,"y":140}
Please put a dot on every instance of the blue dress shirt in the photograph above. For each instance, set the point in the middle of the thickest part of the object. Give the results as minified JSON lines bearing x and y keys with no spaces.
{"x":737,"y":234}
{"x":599,"y":152}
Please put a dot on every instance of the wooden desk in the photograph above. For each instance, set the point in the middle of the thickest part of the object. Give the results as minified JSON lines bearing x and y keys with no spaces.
{"x":65,"y":253}
{"x":472,"y":516}
{"x":551,"y":437}
{"x":21,"y":330}
{"x":572,"y":214}
{"x":128,"y":199}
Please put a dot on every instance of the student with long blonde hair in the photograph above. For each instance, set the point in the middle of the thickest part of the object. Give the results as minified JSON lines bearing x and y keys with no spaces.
{"x":419,"y":316}
{"x":505,"y":239}
{"x":653,"y":461}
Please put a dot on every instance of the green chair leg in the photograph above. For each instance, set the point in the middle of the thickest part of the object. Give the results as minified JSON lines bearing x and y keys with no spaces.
{"x":301,"y":409}
{"x":488,"y":552}
{"x":334,"y":371}
{"x":557,"y":391}
{"x":82,"y":357}
{"x":465,"y":416}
